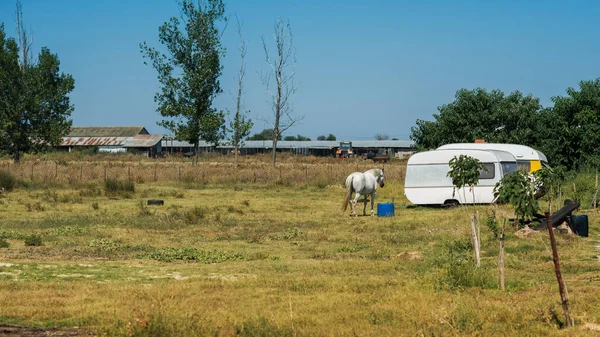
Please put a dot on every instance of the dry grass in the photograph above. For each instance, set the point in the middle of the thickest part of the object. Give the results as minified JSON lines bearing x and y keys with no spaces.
{"x":287,"y":263}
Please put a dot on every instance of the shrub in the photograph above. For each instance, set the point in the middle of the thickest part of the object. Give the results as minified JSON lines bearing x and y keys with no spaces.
{"x":116,"y":186}
{"x":7,"y":181}
{"x":33,"y":240}
{"x":4,"y":243}
{"x":95,"y":205}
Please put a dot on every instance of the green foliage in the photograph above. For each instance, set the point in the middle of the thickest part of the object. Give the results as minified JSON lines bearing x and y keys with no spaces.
{"x":481,"y":114}
{"x":4,"y":243}
{"x":518,"y":189}
{"x":464,"y":171}
{"x":7,"y":180}
{"x":33,"y":240}
{"x":189,"y":74}
{"x":34,"y":104}
{"x":573,"y":127}
{"x":104,"y":244}
{"x":116,"y":186}
{"x":194,"y":255}
{"x":329,"y":137}
{"x":297,"y":138}
{"x":266,"y":134}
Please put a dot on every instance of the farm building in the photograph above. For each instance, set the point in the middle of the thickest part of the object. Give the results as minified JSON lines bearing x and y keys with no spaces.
{"x":317,"y":148}
{"x":113,"y":139}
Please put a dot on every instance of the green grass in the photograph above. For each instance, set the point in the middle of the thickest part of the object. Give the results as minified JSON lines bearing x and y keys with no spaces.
{"x":258,"y":260}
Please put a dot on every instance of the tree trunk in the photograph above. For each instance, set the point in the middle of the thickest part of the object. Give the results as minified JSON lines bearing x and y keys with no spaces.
{"x":196,"y":153}
{"x":17,"y":157}
{"x":235,"y":153}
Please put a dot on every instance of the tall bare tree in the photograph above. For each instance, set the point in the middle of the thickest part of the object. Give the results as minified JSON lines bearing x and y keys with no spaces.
{"x":240,"y":125}
{"x":24,"y":39}
{"x":280,"y":75}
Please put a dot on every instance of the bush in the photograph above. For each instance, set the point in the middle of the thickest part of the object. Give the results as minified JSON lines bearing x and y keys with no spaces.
{"x":33,"y":240}
{"x":7,"y":181}
{"x":4,"y":243}
{"x":116,"y":186}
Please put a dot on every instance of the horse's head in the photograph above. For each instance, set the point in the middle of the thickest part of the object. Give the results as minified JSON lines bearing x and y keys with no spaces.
{"x":380,"y":178}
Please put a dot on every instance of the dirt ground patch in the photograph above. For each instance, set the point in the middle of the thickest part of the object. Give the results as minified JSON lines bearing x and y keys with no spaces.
{"x":7,"y":330}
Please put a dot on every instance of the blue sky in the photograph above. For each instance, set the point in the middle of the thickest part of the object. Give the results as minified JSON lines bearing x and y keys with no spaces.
{"x":363,"y":67}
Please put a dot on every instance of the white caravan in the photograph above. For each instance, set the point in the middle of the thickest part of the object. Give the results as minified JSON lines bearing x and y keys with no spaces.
{"x":528,"y":159}
{"x":427,"y":181}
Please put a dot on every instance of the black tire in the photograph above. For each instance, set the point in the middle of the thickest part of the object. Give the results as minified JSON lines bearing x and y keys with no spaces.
{"x":156,"y":202}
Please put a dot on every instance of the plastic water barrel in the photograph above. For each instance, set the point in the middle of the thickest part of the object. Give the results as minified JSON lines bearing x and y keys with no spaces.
{"x":579,"y":224}
{"x":385,"y":209}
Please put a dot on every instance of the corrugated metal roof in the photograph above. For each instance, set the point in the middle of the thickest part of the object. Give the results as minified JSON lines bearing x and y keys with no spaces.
{"x":106,"y":131}
{"x":93,"y":141}
{"x":314,"y":144}
{"x":143,"y":140}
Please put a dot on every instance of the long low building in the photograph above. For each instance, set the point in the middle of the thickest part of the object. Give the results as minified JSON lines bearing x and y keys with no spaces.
{"x":113,"y":139}
{"x":315,"y":147}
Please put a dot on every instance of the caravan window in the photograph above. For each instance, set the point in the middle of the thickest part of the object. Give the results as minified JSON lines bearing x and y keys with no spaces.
{"x":490,"y":173}
{"x":508,"y":167}
{"x":433,"y":175}
{"x":524,"y":165}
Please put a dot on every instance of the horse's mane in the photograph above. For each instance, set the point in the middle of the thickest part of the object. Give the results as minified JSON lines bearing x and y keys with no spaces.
{"x":375,"y":171}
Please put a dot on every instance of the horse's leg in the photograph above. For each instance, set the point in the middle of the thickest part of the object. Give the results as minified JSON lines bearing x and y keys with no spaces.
{"x":354,"y":201}
{"x":372,"y":202}
{"x":365,"y":205}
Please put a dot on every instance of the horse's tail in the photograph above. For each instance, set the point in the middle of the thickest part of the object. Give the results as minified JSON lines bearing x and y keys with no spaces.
{"x":348,"y":193}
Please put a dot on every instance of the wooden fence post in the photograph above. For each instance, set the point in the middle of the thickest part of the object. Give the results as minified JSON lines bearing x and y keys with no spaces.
{"x":129,"y":173}
{"x":155,"y":172}
{"x":501,"y":256}
{"x":562,"y":287}
{"x":475,"y":242}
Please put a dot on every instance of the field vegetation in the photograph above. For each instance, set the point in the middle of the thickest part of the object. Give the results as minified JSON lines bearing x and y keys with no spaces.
{"x":263,"y":251}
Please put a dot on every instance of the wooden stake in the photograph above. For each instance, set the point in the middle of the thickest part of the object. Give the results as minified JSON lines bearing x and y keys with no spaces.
{"x":475,"y":242}
{"x":562,"y":287}
{"x":501,"y":256}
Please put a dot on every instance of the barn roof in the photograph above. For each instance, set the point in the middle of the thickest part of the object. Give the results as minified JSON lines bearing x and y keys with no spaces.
{"x":106,"y":131}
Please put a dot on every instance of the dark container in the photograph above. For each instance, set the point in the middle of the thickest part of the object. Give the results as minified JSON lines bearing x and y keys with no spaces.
{"x":579,"y":224}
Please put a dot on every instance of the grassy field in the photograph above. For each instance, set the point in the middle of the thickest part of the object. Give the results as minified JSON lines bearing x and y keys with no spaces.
{"x":274,"y":258}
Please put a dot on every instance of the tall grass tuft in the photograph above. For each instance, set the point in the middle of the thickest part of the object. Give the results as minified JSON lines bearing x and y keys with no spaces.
{"x":7,"y":180}
{"x":113,"y":186}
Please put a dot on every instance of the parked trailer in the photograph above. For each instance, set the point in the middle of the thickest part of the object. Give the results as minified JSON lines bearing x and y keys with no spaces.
{"x":427,"y":181}
{"x":528,"y":159}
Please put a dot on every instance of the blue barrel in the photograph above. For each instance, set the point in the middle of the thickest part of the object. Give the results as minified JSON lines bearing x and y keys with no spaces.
{"x":579,"y":224}
{"x":385,"y":209}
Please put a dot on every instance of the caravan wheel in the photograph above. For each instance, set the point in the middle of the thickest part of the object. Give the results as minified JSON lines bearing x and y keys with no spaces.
{"x":451,"y":203}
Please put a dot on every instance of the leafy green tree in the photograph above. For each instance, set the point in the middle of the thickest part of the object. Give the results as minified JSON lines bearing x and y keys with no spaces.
{"x":331,"y":136}
{"x":34,"y":103}
{"x":189,"y":74}
{"x":464,"y":171}
{"x":571,"y":129}
{"x":297,"y":138}
{"x":321,"y":137}
{"x":518,"y":189}
{"x":266,"y":134}
{"x":480,"y":114}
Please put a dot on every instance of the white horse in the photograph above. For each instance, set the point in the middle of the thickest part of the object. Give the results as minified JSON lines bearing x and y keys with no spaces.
{"x":362,"y":184}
